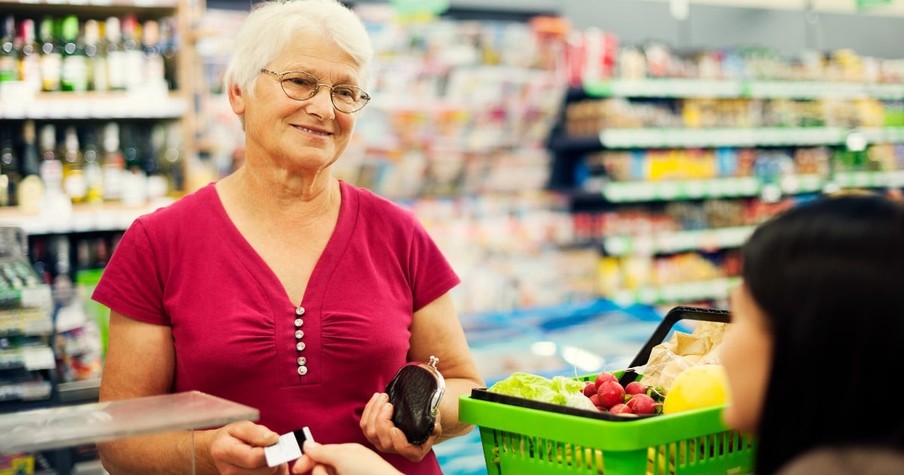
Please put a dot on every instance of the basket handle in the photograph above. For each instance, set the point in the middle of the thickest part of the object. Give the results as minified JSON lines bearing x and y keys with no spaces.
{"x":671,"y":318}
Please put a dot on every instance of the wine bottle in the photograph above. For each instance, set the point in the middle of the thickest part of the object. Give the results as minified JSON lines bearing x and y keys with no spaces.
{"x":29,"y":55}
{"x":155,"y":71}
{"x":157,"y":182}
{"x":112,"y":163}
{"x":134,"y":57}
{"x":73,"y":167}
{"x":9,"y":168}
{"x":51,"y":56}
{"x":171,"y":160}
{"x":94,"y":184}
{"x":97,"y":61}
{"x":169,"y":41}
{"x":9,"y":61}
{"x":30,"y":191}
{"x":116,"y":55}
{"x":74,"y":72}
{"x":134,"y":184}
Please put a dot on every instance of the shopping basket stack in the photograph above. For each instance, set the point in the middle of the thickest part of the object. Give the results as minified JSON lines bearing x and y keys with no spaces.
{"x":523,"y":437}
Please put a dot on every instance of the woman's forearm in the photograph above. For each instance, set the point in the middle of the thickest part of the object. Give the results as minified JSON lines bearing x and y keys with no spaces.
{"x":452,"y":426}
{"x":170,"y":453}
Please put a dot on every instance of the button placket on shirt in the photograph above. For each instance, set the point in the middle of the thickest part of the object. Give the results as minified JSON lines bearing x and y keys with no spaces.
{"x":299,"y":344}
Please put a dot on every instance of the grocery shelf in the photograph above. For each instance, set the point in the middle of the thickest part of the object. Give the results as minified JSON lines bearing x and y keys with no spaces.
{"x":678,"y":292}
{"x":27,"y":394}
{"x":739,"y":187}
{"x":664,"y":87}
{"x":91,"y":105}
{"x":890,"y":179}
{"x":25,"y":321}
{"x":675,"y":241}
{"x":81,"y":219}
{"x":30,"y":358}
{"x":727,"y":88}
{"x":638,"y":191}
{"x":133,"y":4}
{"x":675,"y":137}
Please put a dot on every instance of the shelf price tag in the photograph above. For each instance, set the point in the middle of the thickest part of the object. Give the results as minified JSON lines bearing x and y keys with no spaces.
{"x":695,"y":188}
{"x":617,"y":245}
{"x":668,"y":190}
{"x":38,"y":358}
{"x":809,"y":183}
{"x":644,"y":191}
{"x":896,"y":178}
{"x":861,"y":179}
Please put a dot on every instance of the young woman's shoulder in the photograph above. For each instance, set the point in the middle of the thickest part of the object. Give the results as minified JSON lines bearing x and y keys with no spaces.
{"x":848,"y":460}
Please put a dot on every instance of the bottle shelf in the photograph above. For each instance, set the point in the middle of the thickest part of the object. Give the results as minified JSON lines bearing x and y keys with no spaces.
{"x":25,"y":321}
{"x":91,"y":105}
{"x":170,"y":4}
{"x":82,"y":219}
{"x":32,"y":358}
{"x":26,"y":391}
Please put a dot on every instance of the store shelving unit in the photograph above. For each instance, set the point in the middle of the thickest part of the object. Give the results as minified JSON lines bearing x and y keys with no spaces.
{"x":27,"y":360}
{"x":605,"y":193}
{"x":141,"y":105}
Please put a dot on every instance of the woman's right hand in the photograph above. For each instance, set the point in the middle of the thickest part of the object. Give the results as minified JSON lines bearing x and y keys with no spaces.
{"x":376,"y":424}
{"x":341,"y":459}
{"x":238,"y":449}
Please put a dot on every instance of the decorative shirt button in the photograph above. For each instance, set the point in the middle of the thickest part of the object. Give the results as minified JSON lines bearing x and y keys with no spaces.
{"x":299,"y":334}
{"x":299,"y":311}
{"x":300,"y":346}
{"x":302,"y":370}
{"x":302,"y":361}
{"x":299,"y":322}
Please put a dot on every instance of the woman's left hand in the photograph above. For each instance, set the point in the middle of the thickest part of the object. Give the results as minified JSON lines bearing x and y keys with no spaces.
{"x":377,"y":426}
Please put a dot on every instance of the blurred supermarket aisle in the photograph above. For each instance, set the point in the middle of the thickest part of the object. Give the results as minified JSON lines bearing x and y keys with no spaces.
{"x":566,"y":341}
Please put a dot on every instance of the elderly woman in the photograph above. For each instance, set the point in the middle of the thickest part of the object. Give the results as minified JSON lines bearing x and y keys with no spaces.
{"x":280,"y":286}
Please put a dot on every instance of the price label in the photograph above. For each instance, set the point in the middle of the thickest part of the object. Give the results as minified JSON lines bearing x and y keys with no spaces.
{"x":38,"y":358}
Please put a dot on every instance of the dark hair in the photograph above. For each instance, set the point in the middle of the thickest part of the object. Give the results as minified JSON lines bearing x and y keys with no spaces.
{"x":830,"y":276}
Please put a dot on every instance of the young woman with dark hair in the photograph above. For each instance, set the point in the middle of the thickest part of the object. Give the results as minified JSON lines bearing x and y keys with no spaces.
{"x":816,"y":322}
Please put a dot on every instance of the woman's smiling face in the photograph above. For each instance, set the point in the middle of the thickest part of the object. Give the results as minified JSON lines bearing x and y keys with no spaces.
{"x":299,"y":135}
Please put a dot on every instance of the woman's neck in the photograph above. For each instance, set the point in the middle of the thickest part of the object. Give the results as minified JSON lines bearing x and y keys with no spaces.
{"x":288,"y":198}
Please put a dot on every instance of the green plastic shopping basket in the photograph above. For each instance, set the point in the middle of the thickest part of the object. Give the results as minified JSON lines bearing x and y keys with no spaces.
{"x":523,"y":437}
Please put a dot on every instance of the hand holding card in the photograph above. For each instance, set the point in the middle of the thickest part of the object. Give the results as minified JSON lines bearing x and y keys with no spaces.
{"x":288,"y":448}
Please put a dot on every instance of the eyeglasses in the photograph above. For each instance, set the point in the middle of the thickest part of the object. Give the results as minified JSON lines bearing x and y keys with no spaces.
{"x":301,"y":86}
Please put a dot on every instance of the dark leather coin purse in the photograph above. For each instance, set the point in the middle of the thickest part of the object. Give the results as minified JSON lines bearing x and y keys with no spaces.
{"x":415,"y":392}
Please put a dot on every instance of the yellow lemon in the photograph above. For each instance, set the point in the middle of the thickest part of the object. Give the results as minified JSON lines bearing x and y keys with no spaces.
{"x":697,"y":387}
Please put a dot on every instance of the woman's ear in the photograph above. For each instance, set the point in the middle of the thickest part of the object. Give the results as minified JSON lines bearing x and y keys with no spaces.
{"x":236,"y":98}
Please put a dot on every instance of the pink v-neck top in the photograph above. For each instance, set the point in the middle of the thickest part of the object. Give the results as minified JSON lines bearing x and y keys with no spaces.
{"x":238,"y":336}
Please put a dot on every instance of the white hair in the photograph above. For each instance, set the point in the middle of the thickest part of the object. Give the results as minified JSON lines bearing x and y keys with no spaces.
{"x":272,"y":26}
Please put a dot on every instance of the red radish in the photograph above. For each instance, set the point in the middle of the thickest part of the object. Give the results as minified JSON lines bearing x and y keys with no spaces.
{"x":635,"y":387}
{"x":610,"y":393}
{"x":604,"y":377}
{"x":621,"y":409}
{"x":595,"y":399}
{"x":642,"y":404}
{"x":589,"y":389}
